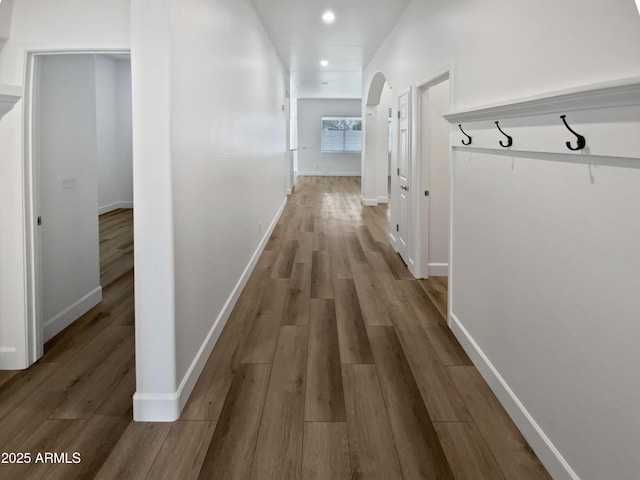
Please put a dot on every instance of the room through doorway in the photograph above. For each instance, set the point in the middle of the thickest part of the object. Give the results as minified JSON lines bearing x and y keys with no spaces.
{"x":80,"y":170}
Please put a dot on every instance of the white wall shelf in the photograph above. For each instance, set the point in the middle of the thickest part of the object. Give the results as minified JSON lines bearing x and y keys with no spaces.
{"x":601,"y":95}
{"x":9,"y":96}
{"x":603,"y":113}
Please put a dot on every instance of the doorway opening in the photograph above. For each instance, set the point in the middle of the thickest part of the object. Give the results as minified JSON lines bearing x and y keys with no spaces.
{"x":79,"y":174}
{"x":376,"y":165}
{"x":433,"y":167}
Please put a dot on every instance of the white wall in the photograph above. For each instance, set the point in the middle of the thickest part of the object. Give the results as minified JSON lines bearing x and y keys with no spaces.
{"x":113,"y":113}
{"x":124,"y":132}
{"x":369,"y":159}
{"x":243,"y":162}
{"x":37,"y":24}
{"x":66,"y":146}
{"x":311,"y":161}
{"x":288,"y":153}
{"x":224,"y":166}
{"x":545,"y":259}
{"x":382,"y":145}
{"x":13,"y":351}
{"x":153,"y":221}
{"x":293,"y":125}
{"x":5,"y":20}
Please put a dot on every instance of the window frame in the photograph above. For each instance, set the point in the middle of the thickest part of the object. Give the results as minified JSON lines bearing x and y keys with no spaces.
{"x":343,"y":151}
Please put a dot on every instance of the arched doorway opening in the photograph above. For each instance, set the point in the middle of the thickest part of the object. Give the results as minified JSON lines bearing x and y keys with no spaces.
{"x":376,"y":157}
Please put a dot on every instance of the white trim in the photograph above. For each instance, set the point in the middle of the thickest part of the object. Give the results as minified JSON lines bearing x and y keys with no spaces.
{"x":156,"y":407}
{"x":549,"y":455}
{"x":32,"y":273}
{"x":10,"y":93}
{"x":383,"y":199}
{"x":53,"y":326}
{"x":9,"y":96}
{"x":329,"y":174}
{"x":618,"y":93}
{"x":436,"y":77}
{"x":438,"y":269}
{"x":420,"y":178}
{"x":289,"y":191}
{"x":9,"y":359}
{"x":114,"y":206}
{"x":368,"y":202}
{"x":166,"y":407}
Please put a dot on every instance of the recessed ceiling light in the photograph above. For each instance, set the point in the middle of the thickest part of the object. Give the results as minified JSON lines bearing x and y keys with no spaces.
{"x":324,"y":63}
{"x":328,"y":17}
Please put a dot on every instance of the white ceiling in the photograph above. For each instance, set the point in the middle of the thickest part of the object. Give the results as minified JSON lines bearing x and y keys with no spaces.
{"x":302,"y":39}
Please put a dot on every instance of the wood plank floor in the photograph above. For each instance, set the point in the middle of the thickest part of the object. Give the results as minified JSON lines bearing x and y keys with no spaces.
{"x":335,"y":364}
{"x":77,"y":398}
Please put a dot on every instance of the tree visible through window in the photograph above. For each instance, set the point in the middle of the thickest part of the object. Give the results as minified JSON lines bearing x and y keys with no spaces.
{"x":341,"y":135}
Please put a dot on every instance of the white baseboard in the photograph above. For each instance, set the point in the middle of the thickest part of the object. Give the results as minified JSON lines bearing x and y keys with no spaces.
{"x":329,"y":174}
{"x":438,"y":269}
{"x":9,"y":359}
{"x":55,"y":325}
{"x":368,"y":202}
{"x":384,"y":199}
{"x":413,"y":268}
{"x":114,"y":206}
{"x":549,"y":455}
{"x":157,"y":407}
{"x":289,"y":190}
{"x":167,"y":407}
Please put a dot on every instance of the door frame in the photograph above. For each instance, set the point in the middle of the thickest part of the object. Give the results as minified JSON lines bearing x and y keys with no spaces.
{"x":30,"y":174}
{"x":420,"y":182}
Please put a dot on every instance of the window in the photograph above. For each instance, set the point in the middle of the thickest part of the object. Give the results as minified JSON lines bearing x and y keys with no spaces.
{"x":341,"y":135}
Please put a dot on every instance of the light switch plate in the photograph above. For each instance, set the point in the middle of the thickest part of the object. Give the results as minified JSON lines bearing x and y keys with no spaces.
{"x":69,"y":185}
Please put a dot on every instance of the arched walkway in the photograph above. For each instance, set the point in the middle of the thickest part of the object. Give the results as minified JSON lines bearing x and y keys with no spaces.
{"x":375,"y":156}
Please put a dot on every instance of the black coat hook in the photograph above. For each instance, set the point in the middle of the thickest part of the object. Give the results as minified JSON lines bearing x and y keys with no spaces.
{"x":469,"y":142}
{"x":581,"y":140}
{"x":509,"y":138}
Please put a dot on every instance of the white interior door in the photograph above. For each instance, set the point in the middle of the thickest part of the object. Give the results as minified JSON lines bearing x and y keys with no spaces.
{"x":435,"y":148}
{"x":404,"y":175}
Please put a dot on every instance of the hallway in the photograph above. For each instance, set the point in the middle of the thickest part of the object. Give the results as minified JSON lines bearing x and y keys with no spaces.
{"x":334,"y":364}
{"x":338,"y":365}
